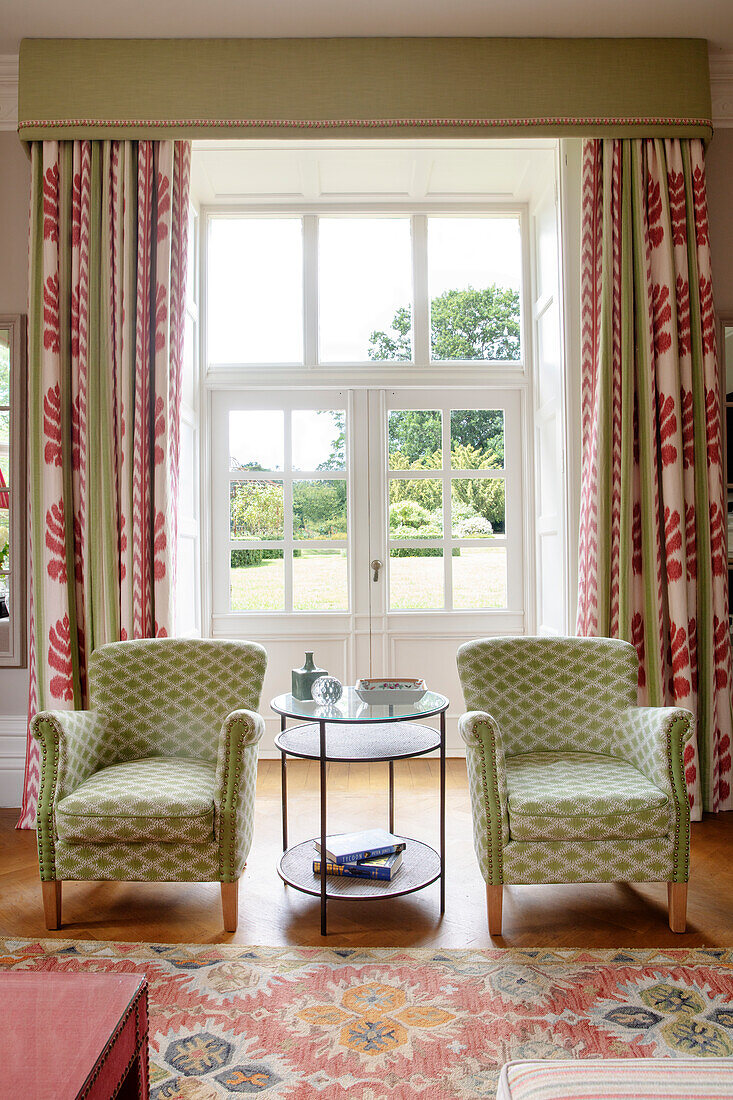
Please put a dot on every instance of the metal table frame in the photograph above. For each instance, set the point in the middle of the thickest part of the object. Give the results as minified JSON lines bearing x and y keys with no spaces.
{"x":324,"y":759}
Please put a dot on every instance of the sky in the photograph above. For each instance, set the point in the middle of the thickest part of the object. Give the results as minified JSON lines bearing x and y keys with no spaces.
{"x":258,"y":435}
{"x":255,"y":291}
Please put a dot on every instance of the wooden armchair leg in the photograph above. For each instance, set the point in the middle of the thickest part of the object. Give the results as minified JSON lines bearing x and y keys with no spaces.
{"x":229,"y":905}
{"x":52,"y":904}
{"x":677,"y":898}
{"x":494,"y":897}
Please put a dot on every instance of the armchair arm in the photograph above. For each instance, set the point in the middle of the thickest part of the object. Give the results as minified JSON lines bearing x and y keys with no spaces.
{"x":234,"y":795}
{"x":653,"y":739}
{"x":487,"y":785}
{"x":73,"y":744}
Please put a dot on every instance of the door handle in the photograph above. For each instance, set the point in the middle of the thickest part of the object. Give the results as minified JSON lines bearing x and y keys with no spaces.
{"x":376,"y":565}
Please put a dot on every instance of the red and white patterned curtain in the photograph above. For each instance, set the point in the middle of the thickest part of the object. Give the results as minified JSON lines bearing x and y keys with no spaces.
{"x":108,"y":251}
{"x":653,"y":564}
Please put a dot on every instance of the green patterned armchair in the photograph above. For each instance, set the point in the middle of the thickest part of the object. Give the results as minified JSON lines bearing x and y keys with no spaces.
{"x":156,"y":781}
{"x":570,"y":780}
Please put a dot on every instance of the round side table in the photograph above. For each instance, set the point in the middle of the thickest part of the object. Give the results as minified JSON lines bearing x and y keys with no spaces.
{"x":352,"y":731}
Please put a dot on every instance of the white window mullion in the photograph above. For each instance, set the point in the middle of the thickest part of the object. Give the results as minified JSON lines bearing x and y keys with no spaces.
{"x":310,"y":290}
{"x":421,"y":302}
{"x":288,"y":512}
{"x":447,"y":526}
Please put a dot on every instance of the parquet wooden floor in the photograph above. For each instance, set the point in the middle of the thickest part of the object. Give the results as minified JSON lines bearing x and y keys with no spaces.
{"x":270,"y":913}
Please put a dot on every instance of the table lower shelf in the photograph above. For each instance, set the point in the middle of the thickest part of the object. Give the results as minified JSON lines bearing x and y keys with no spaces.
{"x":420,"y":867}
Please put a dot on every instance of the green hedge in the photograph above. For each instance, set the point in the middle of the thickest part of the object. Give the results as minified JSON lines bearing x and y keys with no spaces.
{"x":241,"y":559}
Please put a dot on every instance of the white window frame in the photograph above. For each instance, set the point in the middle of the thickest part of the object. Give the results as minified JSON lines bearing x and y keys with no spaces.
{"x":223,"y":403}
{"x":421,"y":373}
{"x":15,"y":655}
{"x":422,"y":370}
{"x":509,"y":401}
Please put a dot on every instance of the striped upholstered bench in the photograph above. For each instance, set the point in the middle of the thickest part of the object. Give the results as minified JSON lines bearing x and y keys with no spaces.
{"x":618,"y":1078}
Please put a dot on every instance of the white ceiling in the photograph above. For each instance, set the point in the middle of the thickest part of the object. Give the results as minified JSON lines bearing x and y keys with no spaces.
{"x":710,"y":19}
{"x":421,"y":171}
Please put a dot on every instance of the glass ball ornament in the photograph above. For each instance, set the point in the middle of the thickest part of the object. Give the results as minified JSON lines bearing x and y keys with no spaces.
{"x":327,"y":690}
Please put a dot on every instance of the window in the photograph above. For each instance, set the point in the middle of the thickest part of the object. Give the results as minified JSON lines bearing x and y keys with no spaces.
{"x":361,"y":505}
{"x":336,"y":291}
{"x":447,"y":509}
{"x":12,"y":480}
{"x":288,"y":507}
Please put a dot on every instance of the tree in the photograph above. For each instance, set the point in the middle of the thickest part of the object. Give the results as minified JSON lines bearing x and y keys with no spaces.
{"x":319,"y":509}
{"x":464,"y":324}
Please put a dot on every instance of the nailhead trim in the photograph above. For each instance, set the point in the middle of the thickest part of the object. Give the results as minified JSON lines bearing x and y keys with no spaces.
{"x":233,"y":755}
{"x":677,"y":805}
{"x":495,"y":783}
{"x":140,"y":1043}
{"x":45,"y":825}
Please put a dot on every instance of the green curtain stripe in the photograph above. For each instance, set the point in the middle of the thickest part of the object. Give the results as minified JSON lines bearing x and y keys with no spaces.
{"x":647,"y":431}
{"x":603,"y":438}
{"x":97,"y":512}
{"x":705,"y":641}
{"x":626,"y":307}
{"x":320,"y":87}
{"x":104,"y":427}
{"x":35,"y":397}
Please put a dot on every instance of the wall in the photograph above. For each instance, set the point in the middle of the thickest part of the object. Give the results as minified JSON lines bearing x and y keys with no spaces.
{"x":719,"y":165}
{"x":14,"y":189}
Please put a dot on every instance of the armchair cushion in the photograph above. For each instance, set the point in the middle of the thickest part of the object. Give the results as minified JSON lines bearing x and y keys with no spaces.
{"x":156,"y":799}
{"x":582,"y":796}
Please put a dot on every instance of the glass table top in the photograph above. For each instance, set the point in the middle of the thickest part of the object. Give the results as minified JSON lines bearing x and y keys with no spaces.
{"x":350,"y":708}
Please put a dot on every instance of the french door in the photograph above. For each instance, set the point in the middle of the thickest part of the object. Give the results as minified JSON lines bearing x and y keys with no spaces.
{"x":378,"y":527}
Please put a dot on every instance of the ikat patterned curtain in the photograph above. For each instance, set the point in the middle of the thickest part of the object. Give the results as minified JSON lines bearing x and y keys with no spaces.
{"x":108,"y":249}
{"x":652,"y":530}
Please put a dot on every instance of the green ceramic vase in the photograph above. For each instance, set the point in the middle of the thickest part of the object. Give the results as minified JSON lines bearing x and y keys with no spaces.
{"x":304,"y":678}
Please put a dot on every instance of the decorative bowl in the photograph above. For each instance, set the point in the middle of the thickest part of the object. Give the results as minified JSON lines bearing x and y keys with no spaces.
{"x":399,"y":689}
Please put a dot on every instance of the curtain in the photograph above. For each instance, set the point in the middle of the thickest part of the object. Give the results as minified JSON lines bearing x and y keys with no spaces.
{"x":108,"y":250}
{"x":653,"y":564}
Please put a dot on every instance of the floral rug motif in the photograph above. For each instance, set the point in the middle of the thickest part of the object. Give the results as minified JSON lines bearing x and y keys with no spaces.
{"x":333,"y":1023}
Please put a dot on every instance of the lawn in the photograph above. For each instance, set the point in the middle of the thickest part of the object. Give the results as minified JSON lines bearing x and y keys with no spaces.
{"x":320,"y":582}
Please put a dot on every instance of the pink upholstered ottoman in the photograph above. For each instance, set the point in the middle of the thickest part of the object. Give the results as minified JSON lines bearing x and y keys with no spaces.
{"x":73,"y":1036}
{"x":618,"y":1079}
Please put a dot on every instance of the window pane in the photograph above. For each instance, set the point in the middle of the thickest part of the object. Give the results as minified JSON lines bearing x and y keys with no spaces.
{"x":319,"y":509}
{"x":415,"y":508}
{"x":320,"y":580}
{"x":415,"y":439}
{"x":255,"y":290}
{"x":474,"y":280}
{"x":365,"y":289}
{"x":415,"y":579}
{"x":4,"y":366}
{"x":319,"y":439}
{"x":478,"y":507}
{"x":5,"y":447}
{"x":257,"y":580}
{"x":477,"y":439}
{"x":256,"y":440}
{"x":256,"y":509}
{"x":479,"y":577}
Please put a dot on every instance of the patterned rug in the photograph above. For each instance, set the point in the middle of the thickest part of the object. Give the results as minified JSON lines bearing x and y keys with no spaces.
{"x":332,"y":1023}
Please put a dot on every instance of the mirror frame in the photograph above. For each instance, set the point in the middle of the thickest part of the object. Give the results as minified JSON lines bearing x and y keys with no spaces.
{"x":16,"y":655}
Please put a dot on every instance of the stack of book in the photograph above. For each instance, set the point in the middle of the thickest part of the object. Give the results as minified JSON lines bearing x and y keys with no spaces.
{"x":372,"y":853}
